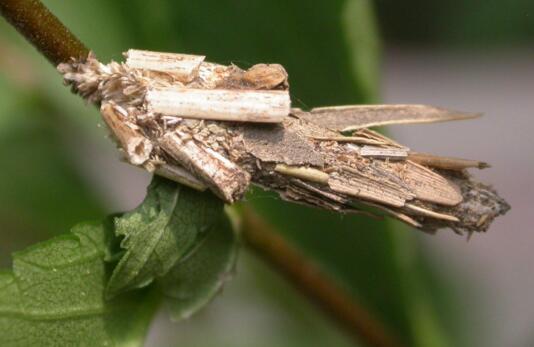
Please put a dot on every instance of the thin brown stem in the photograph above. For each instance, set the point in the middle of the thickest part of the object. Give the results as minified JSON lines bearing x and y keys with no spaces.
{"x":39,"y":26}
{"x":315,"y":284}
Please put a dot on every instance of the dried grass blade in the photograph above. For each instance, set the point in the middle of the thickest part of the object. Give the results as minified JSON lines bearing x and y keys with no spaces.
{"x":430,"y":186}
{"x":446,"y":163}
{"x":353,"y":117}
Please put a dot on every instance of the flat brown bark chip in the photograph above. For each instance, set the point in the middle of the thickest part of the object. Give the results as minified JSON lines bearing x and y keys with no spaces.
{"x":278,"y":144}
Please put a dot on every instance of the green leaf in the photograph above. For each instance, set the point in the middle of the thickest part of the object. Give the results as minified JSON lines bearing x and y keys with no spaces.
{"x":194,"y":281}
{"x":54,"y":296}
{"x":166,"y":226}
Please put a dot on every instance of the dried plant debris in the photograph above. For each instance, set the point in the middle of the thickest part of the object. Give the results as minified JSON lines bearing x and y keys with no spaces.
{"x":222,"y":128}
{"x":353,"y":117}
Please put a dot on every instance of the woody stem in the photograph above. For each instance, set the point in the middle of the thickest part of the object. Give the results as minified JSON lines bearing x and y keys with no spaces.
{"x":44,"y":31}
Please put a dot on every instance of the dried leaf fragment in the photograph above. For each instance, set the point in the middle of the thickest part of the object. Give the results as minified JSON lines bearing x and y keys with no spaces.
{"x":353,"y":117}
{"x":430,"y":186}
{"x":363,"y":189}
{"x":266,"y":76}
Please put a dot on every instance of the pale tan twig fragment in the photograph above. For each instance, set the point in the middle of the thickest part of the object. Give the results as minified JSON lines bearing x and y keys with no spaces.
{"x":354,"y":139}
{"x":226,"y":179}
{"x":429,"y":213}
{"x":375,"y":135}
{"x":184,"y":67}
{"x":317,"y":191}
{"x":269,"y":106}
{"x":180,"y":175}
{"x":446,"y":163}
{"x":389,"y":153}
{"x":406,"y":219}
{"x":352,"y":117}
{"x":137,"y":148}
{"x":297,"y":194}
{"x":305,"y":173}
{"x":402,"y":217}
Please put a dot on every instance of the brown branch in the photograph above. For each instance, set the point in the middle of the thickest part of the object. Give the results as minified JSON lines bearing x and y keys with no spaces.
{"x":39,"y":26}
{"x":312,"y":282}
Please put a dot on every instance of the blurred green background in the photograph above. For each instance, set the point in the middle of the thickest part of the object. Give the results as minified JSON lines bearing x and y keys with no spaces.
{"x":58,"y":167}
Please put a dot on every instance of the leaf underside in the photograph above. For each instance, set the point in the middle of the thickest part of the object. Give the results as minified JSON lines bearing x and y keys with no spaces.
{"x":195,"y":280}
{"x":54,"y":295}
{"x":165,"y":227}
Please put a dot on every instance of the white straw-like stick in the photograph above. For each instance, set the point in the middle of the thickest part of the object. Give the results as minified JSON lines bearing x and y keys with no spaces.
{"x":265,"y":106}
{"x":226,"y":179}
{"x":183,"y":67}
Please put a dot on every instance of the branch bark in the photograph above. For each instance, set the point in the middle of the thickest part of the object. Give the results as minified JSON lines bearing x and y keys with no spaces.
{"x":313,"y":283}
{"x":43,"y":30}
{"x":50,"y":37}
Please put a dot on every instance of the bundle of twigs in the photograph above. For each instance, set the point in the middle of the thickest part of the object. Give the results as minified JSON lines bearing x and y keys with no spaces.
{"x":220,"y":127}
